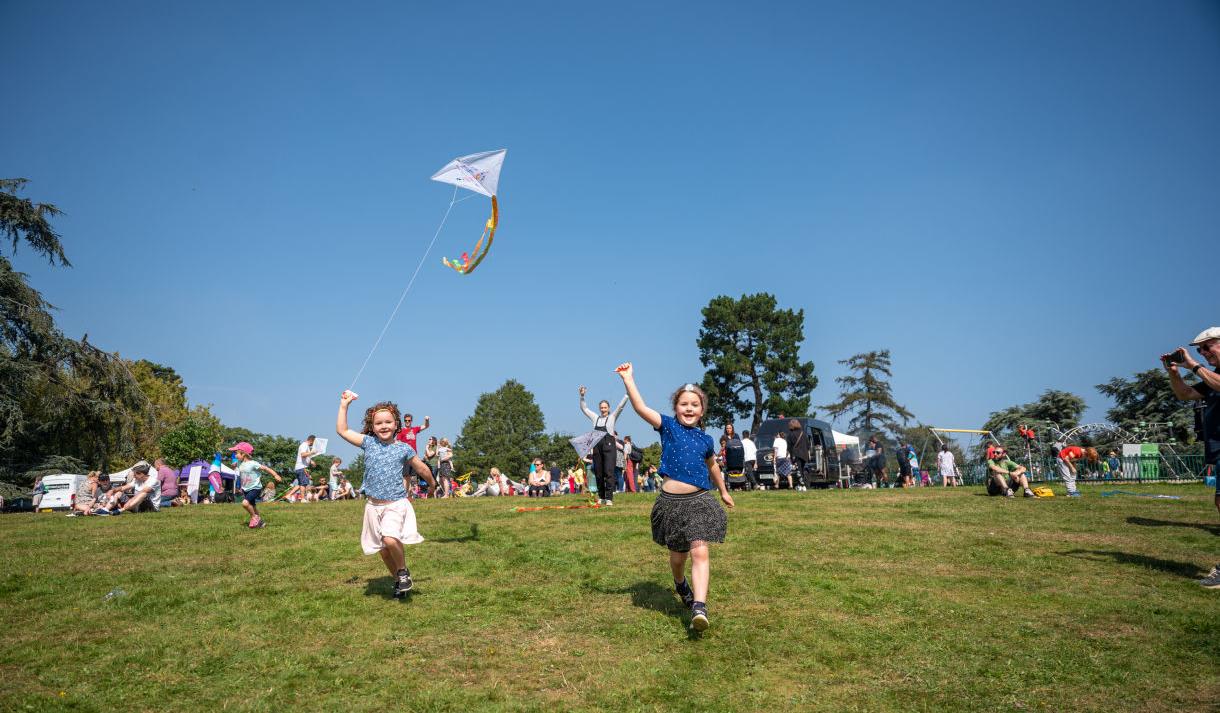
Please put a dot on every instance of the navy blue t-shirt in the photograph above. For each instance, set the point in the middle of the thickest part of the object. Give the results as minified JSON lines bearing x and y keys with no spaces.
{"x":684,"y":453}
{"x":1211,"y":422}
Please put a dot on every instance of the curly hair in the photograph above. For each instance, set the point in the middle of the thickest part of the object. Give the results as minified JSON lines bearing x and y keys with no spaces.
{"x":372,"y":410}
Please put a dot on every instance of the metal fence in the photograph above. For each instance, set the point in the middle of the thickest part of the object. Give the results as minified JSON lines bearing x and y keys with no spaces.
{"x":1148,"y":468}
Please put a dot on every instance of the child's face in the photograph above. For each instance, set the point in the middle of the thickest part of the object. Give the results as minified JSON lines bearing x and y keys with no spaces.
{"x":689,"y":408}
{"x":384,"y":425}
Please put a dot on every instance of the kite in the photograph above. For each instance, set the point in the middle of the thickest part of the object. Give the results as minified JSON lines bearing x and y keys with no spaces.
{"x":478,"y":172}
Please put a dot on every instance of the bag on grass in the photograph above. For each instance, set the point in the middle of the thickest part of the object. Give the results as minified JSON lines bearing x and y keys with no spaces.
{"x":1044,"y":492}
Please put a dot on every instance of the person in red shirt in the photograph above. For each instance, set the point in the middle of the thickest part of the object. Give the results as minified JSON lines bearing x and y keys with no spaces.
{"x":1069,"y":456}
{"x":408,"y":433}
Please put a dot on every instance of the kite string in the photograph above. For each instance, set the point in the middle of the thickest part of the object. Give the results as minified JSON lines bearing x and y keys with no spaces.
{"x":452,"y":201}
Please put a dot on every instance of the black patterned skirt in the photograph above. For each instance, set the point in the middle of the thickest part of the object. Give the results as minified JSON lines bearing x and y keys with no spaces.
{"x":680,"y":519}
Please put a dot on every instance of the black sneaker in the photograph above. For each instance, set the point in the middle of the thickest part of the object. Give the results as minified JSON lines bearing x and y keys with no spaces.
{"x":698,"y":619}
{"x":403,"y":583}
{"x":684,"y":591}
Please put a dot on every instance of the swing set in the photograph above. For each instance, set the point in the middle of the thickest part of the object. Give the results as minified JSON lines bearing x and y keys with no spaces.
{"x":969,"y":472}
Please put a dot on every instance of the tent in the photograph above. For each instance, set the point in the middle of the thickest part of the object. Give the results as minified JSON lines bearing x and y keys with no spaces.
{"x":226,"y":472}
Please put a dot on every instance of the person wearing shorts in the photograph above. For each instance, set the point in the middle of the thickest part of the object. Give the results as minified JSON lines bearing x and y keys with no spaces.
{"x":1005,"y":475}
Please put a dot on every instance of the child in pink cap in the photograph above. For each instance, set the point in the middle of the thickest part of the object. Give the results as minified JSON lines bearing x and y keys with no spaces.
{"x":251,"y":481}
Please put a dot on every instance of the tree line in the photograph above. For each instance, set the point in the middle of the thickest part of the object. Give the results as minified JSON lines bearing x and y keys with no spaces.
{"x":67,"y":406}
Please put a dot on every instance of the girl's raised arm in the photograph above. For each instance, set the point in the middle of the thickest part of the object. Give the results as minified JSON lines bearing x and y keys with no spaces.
{"x":356,"y":439}
{"x":637,"y":402}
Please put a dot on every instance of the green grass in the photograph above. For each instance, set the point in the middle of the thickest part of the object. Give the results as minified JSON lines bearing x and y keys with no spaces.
{"x":888,"y":600}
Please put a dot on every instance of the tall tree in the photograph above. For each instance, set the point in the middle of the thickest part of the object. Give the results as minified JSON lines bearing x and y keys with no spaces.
{"x":58,"y":396}
{"x":1053,"y":410}
{"x":865,"y":393}
{"x":1145,"y":399}
{"x":505,"y":430}
{"x":557,"y":448}
{"x":23,"y":220}
{"x":195,"y":437}
{"x":166,"y":395}
{"x":751,"y":350}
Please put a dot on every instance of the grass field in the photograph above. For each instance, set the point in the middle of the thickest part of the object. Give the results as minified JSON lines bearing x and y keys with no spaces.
{"x":873,"y":601}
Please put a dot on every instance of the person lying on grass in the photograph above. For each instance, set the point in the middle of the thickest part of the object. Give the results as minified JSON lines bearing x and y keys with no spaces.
{"x":685,"y":517}
{"x":389,"y":518}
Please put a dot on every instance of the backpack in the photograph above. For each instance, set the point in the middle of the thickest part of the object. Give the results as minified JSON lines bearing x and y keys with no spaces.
{"x":637,"y":455}
{"x":1044,"y":492}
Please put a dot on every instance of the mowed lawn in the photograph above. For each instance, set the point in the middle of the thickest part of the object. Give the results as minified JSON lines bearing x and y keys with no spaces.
{"x":928,"y":599}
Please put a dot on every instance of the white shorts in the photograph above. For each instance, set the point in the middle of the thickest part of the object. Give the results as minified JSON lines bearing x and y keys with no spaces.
{"x":393,"y":519}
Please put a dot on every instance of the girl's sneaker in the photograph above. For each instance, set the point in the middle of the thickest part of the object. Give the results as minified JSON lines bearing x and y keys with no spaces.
{"x":684,"y":591}
{"x":256,"y":522}
{"x":699,"y":620}
{"x":403,"y":583}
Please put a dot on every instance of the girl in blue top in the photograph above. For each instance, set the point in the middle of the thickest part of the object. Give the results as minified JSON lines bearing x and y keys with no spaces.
{"x":685,"y":516}
{"x":389,"y":519}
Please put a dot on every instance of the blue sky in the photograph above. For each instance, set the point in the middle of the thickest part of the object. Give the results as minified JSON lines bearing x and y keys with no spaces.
{"x":1011,"y":197}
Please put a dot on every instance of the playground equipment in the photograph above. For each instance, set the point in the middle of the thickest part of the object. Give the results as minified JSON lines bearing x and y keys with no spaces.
{"x":980,"y":436}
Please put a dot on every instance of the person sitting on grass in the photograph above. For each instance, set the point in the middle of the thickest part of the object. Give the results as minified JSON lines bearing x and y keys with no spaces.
{"x":345,"y":491}
{"x":183,"y":499}
{"x":86,"y":495}
{"x":1005,"y":475}
{"x":141,"y":494}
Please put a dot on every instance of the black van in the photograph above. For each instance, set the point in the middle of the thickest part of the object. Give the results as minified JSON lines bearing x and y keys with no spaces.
{"x":827,"y":464}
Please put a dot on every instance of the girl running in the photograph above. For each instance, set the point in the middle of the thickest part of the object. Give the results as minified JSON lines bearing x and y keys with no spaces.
{"x":685,"y":517}
{"x":251,"y":481}
{"x":389,"y":519}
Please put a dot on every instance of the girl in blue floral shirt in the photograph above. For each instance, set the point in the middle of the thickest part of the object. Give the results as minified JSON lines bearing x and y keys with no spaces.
{"x":389,"y":519}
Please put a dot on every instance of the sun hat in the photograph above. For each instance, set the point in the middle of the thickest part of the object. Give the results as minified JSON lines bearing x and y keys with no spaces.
{"x":243,"y":447}
{"x":1206,"y":335}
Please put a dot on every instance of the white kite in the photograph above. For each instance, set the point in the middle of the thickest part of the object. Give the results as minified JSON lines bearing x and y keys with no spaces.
{"x":478,"y":172}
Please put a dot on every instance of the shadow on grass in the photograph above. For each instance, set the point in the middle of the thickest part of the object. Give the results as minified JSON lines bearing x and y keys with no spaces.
{"x":1181,"y":569}
{"x":472,"y":537}
{"x":384,"y":587}
{"x":650,"y":595}
{"x":1149,"y":522}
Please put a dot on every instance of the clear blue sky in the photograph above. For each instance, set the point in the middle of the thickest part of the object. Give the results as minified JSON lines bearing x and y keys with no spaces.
{"x":1011,"y":197}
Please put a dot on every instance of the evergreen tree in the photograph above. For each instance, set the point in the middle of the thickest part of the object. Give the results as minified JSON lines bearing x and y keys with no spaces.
{"x":505,"y":431}
{"x":752,"y":349}
{"x":1146,"y":399}
{"x":58,"y":396}
{"x":865,"y":393}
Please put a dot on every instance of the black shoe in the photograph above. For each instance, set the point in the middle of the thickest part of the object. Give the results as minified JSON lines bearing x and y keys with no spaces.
{"x":699,"y":620}
{"x":403,"y":583}
{"x":684,"y":591}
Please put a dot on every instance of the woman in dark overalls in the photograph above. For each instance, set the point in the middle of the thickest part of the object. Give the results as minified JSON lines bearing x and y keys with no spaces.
{"x":603,"y":454}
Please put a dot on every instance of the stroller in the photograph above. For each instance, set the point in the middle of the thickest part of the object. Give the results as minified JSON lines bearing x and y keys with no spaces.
{"x":735,"y":464}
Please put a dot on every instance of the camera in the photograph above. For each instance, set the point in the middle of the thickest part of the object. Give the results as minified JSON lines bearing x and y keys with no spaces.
{"x":1178,"y":356}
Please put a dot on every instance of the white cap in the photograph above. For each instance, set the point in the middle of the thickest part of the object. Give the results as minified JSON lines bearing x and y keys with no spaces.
{"x":1206,"y":335}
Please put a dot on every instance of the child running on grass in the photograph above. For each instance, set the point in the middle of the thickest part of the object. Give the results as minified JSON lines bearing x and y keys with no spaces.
{"x":389,"y":519}
{"x":251,"y":482}
{"x":685,"y":517}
